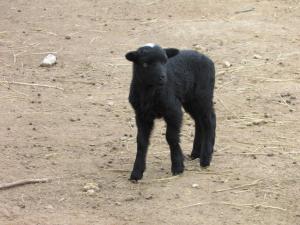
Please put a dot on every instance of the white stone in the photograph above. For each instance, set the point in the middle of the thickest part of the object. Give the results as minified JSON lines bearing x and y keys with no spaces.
{"x":195,"y":186}
{"x":49,"y":60}
{"x":227,"y":64}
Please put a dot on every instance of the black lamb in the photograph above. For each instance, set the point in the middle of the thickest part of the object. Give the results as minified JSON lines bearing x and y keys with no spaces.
{"x":163,"y":81}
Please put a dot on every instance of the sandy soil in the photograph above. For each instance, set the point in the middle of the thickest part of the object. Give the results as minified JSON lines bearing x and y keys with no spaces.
{"x":85,"y":134}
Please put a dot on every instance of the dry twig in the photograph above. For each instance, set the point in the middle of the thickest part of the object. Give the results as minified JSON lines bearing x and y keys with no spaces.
{"x":23,"y":182}
{"x":244,"y":11}
{"x":240,"y":186}
{"x":256,"y":153}
{"x":29,"y":84}
{"x":236,"y":204}
{"x":160,"y":179}
{"x":118,"y":170}
{"x":223,"y":104}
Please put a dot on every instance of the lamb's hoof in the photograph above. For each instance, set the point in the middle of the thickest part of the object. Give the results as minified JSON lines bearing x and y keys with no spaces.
{"x":176,"y":170}
{"x":135,"y":176}
{"x":205,"y":162}
{"x":194,"y":155}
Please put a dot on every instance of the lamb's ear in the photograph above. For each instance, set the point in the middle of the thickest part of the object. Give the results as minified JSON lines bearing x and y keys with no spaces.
{"x":171,"y":52}
{"x":132,"y":56}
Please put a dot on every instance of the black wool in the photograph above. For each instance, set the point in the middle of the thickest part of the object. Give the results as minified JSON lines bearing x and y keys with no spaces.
{"x":164,"y":81}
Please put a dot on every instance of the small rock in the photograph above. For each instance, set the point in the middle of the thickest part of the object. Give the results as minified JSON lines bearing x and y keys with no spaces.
{"x":118,"y":203}
{"x":195,"y":185}
{"x":257,"y":56}
{"x":227,"y":64}
{"x":67,"y":37}
{"x":48,"y":61}
{"x":198,"y":47}
{"x":130,"y":198}
{"x":221,"y":73}
{"x":148,"y":197}
{"x":90,"y":186}
{"x":22,"y":205}
{"x":90,"y":192}
{"x":123,"y":138}
{"x":110,"y":103}
{"x":49,"y":207}
{"x":270,"y":154}
{"x":259,"y":122}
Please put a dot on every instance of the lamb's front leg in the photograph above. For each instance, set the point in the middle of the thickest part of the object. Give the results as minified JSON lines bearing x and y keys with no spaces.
{"x":143,"y":134}
{"x":172,"y":135}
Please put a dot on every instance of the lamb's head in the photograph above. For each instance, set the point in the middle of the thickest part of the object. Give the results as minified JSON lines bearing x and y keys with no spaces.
{"x":150,"y":63}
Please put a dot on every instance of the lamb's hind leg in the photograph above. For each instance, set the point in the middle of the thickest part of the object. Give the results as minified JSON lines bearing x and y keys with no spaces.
{"x":193,"y":110}
{"x":197,"y":140}
{"x":209,"y":126}
{"x":205,"y":126}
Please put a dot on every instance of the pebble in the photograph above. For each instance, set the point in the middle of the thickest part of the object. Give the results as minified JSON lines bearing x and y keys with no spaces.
{"x":90,"y":192}
{"x":227,"y":64}
{"x":257,"y":122}
{"x":257,"y":56}
{"x":48,"y":61}
{"x":148,"y":197}
{"x":195,"y":185}
{"x":287,"y":94}
{"x":90,"y":186}
{"x":110,"y":103}
{"x":22,"y":205}
{"x":199,"y":47}
{"x":49,"y":207}
{"x":130,"y":198}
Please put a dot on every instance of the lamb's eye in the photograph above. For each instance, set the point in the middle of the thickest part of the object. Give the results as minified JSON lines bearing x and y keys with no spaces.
{"x":145,"y":65}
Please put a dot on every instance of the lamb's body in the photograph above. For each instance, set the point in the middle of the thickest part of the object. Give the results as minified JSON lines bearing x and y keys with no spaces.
{"x":189,"y":83}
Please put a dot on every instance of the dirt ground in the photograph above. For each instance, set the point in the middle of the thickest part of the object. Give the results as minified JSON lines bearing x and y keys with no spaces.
{"x":84,"y":135}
